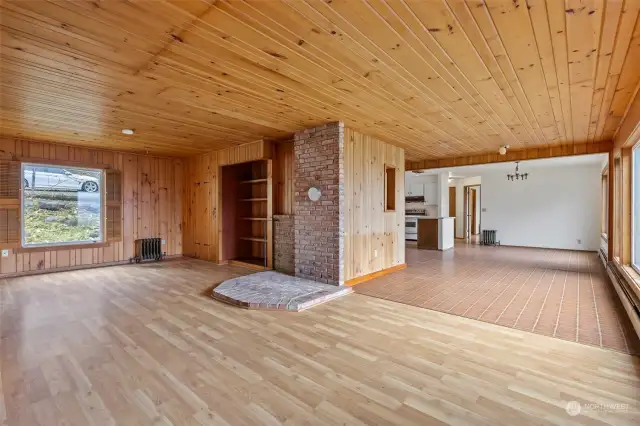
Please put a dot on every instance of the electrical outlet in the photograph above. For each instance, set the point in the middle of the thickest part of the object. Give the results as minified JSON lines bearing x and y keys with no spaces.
{"x":164,"y":242}
{"x":579,"y":241}
{"x":5,"y":253}
{"x":375,"y":253}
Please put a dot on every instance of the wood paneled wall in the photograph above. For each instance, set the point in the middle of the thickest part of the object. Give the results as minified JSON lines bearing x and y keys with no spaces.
{"x":200,"y":207}
{"x":283,"y":178}
{"x":153,"y":188}
{"x":201,"y":230}
{"x":368,"y":228}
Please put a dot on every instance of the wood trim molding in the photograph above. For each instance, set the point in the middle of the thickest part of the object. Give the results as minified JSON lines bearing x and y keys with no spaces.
{"x":514,"y":155}
{"x":80,"y":164}
{"x":173,"y":257}
{"x":610,"y":207}
{"x":628,"y":132}
{"x":616,"y":274}
{"x":363,"y":278}
{"x":61,"y":247}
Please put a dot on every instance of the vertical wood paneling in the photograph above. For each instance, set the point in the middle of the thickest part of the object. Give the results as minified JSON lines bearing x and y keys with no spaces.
{"x":283,"y":178}
{"x":201,"y":194}
{"x":368,"y":228}
{"x":157,"y":213}
{"x":201,"y":202}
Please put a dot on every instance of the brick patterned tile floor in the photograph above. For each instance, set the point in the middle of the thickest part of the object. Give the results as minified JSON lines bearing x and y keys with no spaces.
{"x":559,"y":293}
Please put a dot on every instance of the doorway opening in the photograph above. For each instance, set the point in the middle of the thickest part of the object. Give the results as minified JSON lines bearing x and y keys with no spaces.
{"x":472,"y":216}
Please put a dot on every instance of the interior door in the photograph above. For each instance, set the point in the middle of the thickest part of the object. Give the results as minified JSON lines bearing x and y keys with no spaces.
{"x":467,"y":213}
{"x":452,"y":205}
{"x":474,"y":213}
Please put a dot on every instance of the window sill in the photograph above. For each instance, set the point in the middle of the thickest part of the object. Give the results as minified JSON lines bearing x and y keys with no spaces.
{"x":60,"y":247}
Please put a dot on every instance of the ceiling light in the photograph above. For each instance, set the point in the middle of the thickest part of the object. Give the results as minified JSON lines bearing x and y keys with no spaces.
{"x":517,"y":175}
{"x":503,"y":149}
{"x":127,"y":131}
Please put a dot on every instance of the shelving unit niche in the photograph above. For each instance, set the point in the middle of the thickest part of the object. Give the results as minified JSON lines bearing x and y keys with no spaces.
{"x":247,"y":201}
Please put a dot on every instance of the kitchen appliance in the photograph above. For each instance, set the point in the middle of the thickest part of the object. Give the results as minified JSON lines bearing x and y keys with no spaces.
{"x":411,"y":223}
{"x":411,"y":228}
{"x":414,"y":199}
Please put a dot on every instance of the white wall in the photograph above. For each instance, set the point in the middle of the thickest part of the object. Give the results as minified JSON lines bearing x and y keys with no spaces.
{"x":443,"y":194}
{"x":554,"y":208}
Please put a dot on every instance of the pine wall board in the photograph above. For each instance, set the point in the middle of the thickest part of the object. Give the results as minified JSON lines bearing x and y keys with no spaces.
{"x":374,"y":238}
{"x":202,"y":194}
{"x":152,"y":204}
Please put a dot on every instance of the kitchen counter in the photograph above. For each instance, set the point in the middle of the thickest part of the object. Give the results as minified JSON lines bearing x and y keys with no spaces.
{"x":435,"y":233}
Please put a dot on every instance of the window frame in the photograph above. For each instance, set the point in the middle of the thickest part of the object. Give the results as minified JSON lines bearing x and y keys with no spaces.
{"x":25,"y":247}
{"x":604,"y":192}
{"x":390,"y":196}
{"x":617,"y":211}
{"x":635,"y":178}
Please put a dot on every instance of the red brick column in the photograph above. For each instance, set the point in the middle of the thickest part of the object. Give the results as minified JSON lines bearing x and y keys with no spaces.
{"x":319,"y":225}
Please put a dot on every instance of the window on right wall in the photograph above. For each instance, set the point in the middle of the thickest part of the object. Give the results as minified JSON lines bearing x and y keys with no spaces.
{"x":635,"y":232}
{"x":605,"y":204}
{"x":389,"y":188}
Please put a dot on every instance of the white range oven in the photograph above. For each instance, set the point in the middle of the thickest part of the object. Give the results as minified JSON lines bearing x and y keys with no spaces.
{"x":411,"y":228}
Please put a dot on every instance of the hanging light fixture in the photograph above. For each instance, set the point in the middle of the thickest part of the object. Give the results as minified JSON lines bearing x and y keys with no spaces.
{"x":517,"y":175}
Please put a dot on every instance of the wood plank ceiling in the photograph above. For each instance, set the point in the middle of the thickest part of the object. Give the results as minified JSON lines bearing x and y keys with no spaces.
{"x":438,"y":78}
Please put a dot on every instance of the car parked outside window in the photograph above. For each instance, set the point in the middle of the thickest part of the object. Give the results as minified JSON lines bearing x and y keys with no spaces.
{"x":55,"y":178}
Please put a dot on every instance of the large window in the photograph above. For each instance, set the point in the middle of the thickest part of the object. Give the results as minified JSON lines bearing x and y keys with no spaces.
{"x":605,"y":204}
{"x":635,"y":234}
{"x":61,"y":205}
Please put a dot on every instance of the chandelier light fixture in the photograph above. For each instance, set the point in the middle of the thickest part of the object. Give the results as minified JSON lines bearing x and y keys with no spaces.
{"x":517,"y":175}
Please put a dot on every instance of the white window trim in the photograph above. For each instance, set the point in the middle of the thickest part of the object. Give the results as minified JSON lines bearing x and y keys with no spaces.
{"x":88,"y":243}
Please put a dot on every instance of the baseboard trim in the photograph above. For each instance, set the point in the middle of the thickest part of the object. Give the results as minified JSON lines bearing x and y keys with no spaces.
{"x":549,"y":248}
{"x":363,"y":278}
{"x":81,"y":267}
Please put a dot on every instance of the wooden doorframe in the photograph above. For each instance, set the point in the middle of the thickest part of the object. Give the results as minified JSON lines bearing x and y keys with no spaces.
{"x":453,"y":206}
{"x":466,"y":230}
{"x":474,"y":211}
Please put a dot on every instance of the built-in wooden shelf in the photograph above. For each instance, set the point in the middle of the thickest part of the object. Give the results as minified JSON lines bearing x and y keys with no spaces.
{"x":246,"y":205}
{"x":261,"y":240}
{"x":256,"y":263}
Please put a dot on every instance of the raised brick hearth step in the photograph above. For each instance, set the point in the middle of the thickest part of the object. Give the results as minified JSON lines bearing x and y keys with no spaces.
{"x":274,"y":290}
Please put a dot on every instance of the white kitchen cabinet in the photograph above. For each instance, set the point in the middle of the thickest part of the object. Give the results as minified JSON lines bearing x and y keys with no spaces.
{"x":415,"y":189}
{"x":431,"y":193}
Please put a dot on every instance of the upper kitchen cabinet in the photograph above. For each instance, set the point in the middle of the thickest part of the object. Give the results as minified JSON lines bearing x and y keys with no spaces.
{"x":415,"y":190}
{"x":430,"y":193}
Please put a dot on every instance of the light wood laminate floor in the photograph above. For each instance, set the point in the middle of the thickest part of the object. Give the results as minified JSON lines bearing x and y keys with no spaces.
{"x":142,"y":345}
